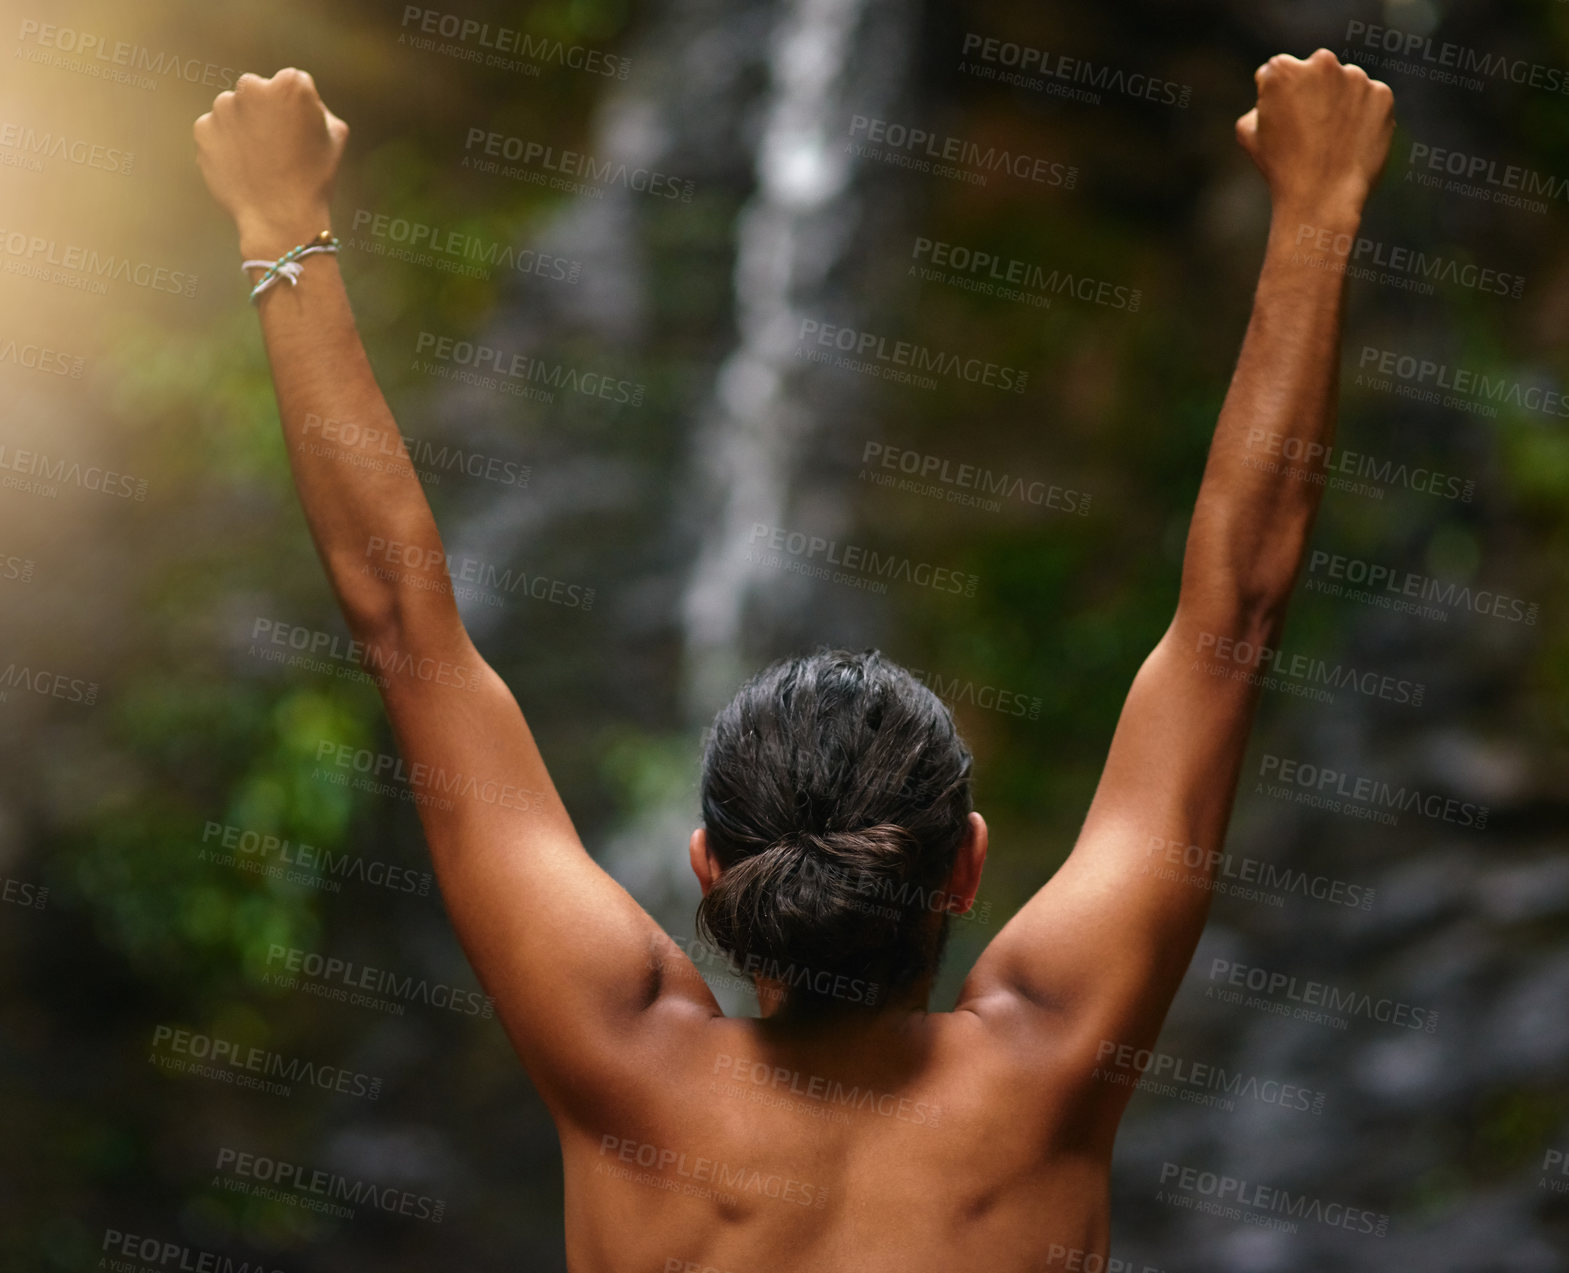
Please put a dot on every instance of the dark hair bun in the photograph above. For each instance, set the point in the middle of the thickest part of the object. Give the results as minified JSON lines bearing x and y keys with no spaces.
{"x":812,"y":898}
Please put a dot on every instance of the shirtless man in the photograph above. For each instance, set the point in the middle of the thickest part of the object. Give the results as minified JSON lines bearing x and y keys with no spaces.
{"x":976,"y":1138}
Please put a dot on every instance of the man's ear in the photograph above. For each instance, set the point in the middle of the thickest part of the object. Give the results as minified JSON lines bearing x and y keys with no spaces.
{"x":704,"y":865}
{"x":965,"y":878}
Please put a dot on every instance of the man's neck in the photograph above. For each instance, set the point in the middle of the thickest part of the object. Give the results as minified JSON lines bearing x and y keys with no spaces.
{"x":773,"y":998}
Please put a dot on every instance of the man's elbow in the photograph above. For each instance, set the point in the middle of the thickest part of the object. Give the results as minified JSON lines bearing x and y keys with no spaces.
{"x":1258,"y":604}
{"x":404,"y":619}
{"x":1265,"y":582}
{"x":1237,"y":592}
{"x":1229,"y":616}
{"x":369,"y":603}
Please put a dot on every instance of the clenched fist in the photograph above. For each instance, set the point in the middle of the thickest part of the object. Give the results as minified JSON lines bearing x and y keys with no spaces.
{"x":1320,"y":132}
{"x":269,"y":151}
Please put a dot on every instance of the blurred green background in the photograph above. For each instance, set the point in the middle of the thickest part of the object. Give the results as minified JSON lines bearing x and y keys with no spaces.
{"x":652,"y":505}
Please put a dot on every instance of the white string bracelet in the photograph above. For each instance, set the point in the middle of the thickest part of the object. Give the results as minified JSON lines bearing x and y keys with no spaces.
{"x":288,"y":265}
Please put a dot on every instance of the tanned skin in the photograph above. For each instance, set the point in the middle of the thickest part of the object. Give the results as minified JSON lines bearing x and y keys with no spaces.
{"x":986,"y":1141}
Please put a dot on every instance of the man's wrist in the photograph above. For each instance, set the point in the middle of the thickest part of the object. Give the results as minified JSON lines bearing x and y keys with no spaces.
{"x":268,"y":240}
{"x":1336,"y":216}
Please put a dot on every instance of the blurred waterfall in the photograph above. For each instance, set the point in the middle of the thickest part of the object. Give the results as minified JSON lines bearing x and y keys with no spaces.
{"x":682,"y":110}
{"x":795,"y":237}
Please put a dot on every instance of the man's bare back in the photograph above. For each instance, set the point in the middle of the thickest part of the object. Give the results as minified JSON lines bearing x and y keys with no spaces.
{"x":862,"y":1140}
{"x":931,"y":1141}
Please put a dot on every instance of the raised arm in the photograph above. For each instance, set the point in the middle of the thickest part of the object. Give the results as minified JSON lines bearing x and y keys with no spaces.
{"x":576,"y":967}
{"x":1098,"y":954}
